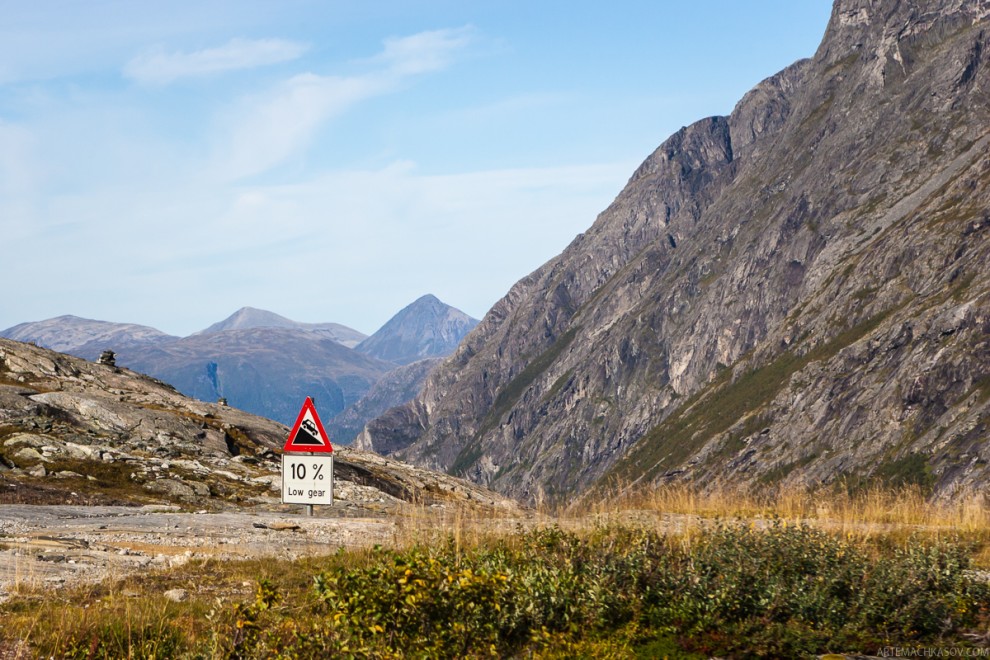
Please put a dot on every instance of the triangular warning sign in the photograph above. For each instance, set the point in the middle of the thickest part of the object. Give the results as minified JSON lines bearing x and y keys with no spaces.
{"x":308,"y":433}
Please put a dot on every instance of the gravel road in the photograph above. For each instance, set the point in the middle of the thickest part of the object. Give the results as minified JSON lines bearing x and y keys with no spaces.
{"x":50,"y":546}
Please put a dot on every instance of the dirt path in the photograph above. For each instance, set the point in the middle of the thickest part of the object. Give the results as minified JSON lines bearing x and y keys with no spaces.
{"x":55,"y":545}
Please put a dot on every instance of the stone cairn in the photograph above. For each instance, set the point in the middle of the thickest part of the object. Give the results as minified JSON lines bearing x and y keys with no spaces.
{"x":109,"y":358}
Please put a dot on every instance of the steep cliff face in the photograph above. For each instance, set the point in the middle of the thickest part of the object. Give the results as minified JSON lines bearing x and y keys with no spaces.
{"x":796,"y":292}
{"x":394,"y":388}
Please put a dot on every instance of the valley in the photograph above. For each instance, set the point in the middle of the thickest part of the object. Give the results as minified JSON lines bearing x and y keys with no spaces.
{"x":266,"y":364}
{"x":744,"y":413}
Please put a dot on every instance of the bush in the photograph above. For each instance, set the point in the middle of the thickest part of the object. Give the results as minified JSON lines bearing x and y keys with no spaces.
{"x":793,"y":590}
{"x":781,"y":591}
{"x":733,"y":590}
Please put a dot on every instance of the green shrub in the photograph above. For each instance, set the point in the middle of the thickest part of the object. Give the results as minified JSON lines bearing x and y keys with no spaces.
{"x":121,"y":639}
{"x":797,"y":590}
{"x":784,"y":591}
{"x":731,"y":590}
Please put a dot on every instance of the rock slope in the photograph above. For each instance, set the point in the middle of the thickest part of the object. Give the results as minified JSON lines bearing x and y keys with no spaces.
{"x":794,"y":293}
{"x":395,"y":388}
{"x":75,"y":432}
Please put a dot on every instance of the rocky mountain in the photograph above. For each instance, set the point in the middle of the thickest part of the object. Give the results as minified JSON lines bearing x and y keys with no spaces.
{"x":795,"y":293}
{"x":247,"y":318}
{"x":70,"y":334}
{"x":73,"y":431}
{"x":416,"y":338}
{"x":395,"y":388}
{"x":267,"y":371}
{"x":426,"y":328}
{"x":255,"y":364}
{"x":267,"y":364}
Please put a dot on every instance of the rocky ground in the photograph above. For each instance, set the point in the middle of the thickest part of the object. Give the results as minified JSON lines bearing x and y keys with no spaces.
{"x":77,"y":432}
{"x":104,"y":471}
{"x":45,"y":546}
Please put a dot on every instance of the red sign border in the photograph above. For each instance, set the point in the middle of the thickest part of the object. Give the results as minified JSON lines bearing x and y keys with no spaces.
{"x":308,"y":449}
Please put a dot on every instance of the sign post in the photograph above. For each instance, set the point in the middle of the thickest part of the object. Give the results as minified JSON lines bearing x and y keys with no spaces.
{"x":307,"y":462}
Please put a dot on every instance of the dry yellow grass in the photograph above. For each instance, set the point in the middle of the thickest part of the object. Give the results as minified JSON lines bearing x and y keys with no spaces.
{"x":684,"y":511}
{"x":877,"y":506}
{"x":871,"y":519}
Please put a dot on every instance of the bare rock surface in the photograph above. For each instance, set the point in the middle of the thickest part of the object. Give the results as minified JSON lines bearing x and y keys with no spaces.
{"x":795,"y":293}
{"x":102,"y":469}
{"x":48,"y":546}
{"x":395,"y":388}
{"x":132,"y":438}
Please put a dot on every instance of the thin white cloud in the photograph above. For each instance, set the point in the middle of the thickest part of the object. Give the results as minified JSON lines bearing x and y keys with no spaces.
{"x":257,"y":244}
{"x":267,"y":130}
{"x":158,"y":67}
{"x":264,"y":130}
{"x":17,"y":159}
{"x":426,"y":51}
{"x":343,"y":222}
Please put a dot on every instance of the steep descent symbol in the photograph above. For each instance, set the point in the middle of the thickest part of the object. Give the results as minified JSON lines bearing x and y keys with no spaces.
{"x":308,"y":433}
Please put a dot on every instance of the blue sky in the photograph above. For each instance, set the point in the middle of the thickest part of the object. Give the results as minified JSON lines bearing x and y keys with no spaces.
{"x":166,"y":163}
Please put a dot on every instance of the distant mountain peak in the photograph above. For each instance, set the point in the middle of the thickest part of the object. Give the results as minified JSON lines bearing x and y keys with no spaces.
{"x":248,"y":318}
{"x":71,"y":334}
{"x":425,"y":328}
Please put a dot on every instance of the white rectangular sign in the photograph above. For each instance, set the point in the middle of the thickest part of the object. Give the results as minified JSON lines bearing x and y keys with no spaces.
{"x":307,"y":479}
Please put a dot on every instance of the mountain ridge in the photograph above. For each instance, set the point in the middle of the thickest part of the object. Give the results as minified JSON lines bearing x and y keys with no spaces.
{"x":67,"y":333}
{"x":751,"y":264}
{"x":425,"y":328}
{"x":265,"y":370}
{"x":267,"y":363}
{"x":247,"y":318}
